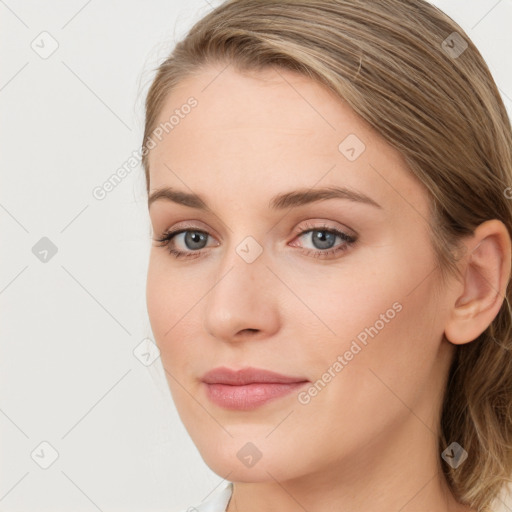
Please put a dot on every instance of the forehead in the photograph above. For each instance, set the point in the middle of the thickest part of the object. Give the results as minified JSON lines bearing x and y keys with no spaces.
{"x":258,"y":109}
{"x":271,"y":129}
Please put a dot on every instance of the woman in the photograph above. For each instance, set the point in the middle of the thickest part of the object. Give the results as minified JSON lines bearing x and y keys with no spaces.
{"x":328,"y":185}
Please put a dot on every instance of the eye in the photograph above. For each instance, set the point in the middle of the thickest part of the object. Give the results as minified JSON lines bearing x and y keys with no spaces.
{"x":323,"y":238}
{"x":193,"y":239}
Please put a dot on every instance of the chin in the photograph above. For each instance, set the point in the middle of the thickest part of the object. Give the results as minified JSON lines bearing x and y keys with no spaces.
{"x":239,"y":461}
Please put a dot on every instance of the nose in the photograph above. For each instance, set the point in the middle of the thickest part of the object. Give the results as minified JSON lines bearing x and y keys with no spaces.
{"x":242,"y":302}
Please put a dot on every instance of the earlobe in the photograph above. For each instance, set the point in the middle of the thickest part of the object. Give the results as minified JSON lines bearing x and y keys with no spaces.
{"x":486,"y":271}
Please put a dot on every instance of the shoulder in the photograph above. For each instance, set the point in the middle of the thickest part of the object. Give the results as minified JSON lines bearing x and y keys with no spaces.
{"x":217,"y":501}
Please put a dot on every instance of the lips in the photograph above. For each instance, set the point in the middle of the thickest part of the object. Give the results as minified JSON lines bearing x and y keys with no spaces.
{"x":223,"y":375}
{"x":247,"y":388}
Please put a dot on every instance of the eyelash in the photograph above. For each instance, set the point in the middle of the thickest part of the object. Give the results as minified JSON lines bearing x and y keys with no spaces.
{"x":166,"y":239}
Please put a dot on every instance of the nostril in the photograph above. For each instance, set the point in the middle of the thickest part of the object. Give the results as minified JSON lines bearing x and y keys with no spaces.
{"x":250,"y":330}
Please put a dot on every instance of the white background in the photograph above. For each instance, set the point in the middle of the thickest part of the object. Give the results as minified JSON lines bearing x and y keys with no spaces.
{"x":69,"y":326}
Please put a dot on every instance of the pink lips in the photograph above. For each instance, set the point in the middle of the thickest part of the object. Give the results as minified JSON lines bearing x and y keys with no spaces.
{"x":247,"y":388}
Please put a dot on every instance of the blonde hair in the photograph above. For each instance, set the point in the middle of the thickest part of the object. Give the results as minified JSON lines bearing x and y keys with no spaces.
{"x":400,"y":66}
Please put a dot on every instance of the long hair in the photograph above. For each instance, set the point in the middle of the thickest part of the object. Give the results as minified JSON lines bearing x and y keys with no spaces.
{"x":413,"y":73}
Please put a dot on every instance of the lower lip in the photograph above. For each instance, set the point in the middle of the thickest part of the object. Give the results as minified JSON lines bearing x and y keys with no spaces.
{"x":250,"y":396}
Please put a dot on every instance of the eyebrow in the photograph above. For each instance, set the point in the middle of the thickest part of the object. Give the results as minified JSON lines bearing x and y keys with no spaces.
{"x":291,"y":199}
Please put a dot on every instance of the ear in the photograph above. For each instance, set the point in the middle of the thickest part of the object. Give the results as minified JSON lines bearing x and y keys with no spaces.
{"x":486,"y":267}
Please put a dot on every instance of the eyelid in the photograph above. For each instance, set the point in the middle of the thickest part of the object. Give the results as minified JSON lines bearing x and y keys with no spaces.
{"x":192,"y":225}
{"x":309,"y":225}
{"x":302,"y":226}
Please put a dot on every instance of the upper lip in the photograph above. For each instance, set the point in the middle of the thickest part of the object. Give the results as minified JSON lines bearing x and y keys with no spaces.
{"x":223,"y":375}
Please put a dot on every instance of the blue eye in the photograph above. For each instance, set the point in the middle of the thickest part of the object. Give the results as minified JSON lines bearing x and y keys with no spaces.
{"x":322,"y":237}
{"x":193,"y":237}
{"x":194,"y":240}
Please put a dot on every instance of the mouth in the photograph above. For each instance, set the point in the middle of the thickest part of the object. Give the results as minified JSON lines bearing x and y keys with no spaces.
{"x":248,"y":388}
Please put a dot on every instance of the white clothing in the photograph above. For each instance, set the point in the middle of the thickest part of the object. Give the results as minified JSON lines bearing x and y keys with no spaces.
{"x":217,"y":502}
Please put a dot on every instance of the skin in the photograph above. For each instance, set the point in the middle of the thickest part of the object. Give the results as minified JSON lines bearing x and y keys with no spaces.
{"x":368,"y":440}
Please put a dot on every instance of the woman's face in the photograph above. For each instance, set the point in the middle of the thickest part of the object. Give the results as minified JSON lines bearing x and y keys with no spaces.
{"x":270,"y":284}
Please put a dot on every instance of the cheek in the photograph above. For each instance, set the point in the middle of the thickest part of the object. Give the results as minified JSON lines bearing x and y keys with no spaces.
{"x":170,"y":298}
{"x":170,"y":291}
{"x":334,"y":304}
{"x":175,"y":301}
{"x":379,"y":314}
{"x":388,"y":342}
{"x":362,"y":378}
{"x":158,"y":293}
